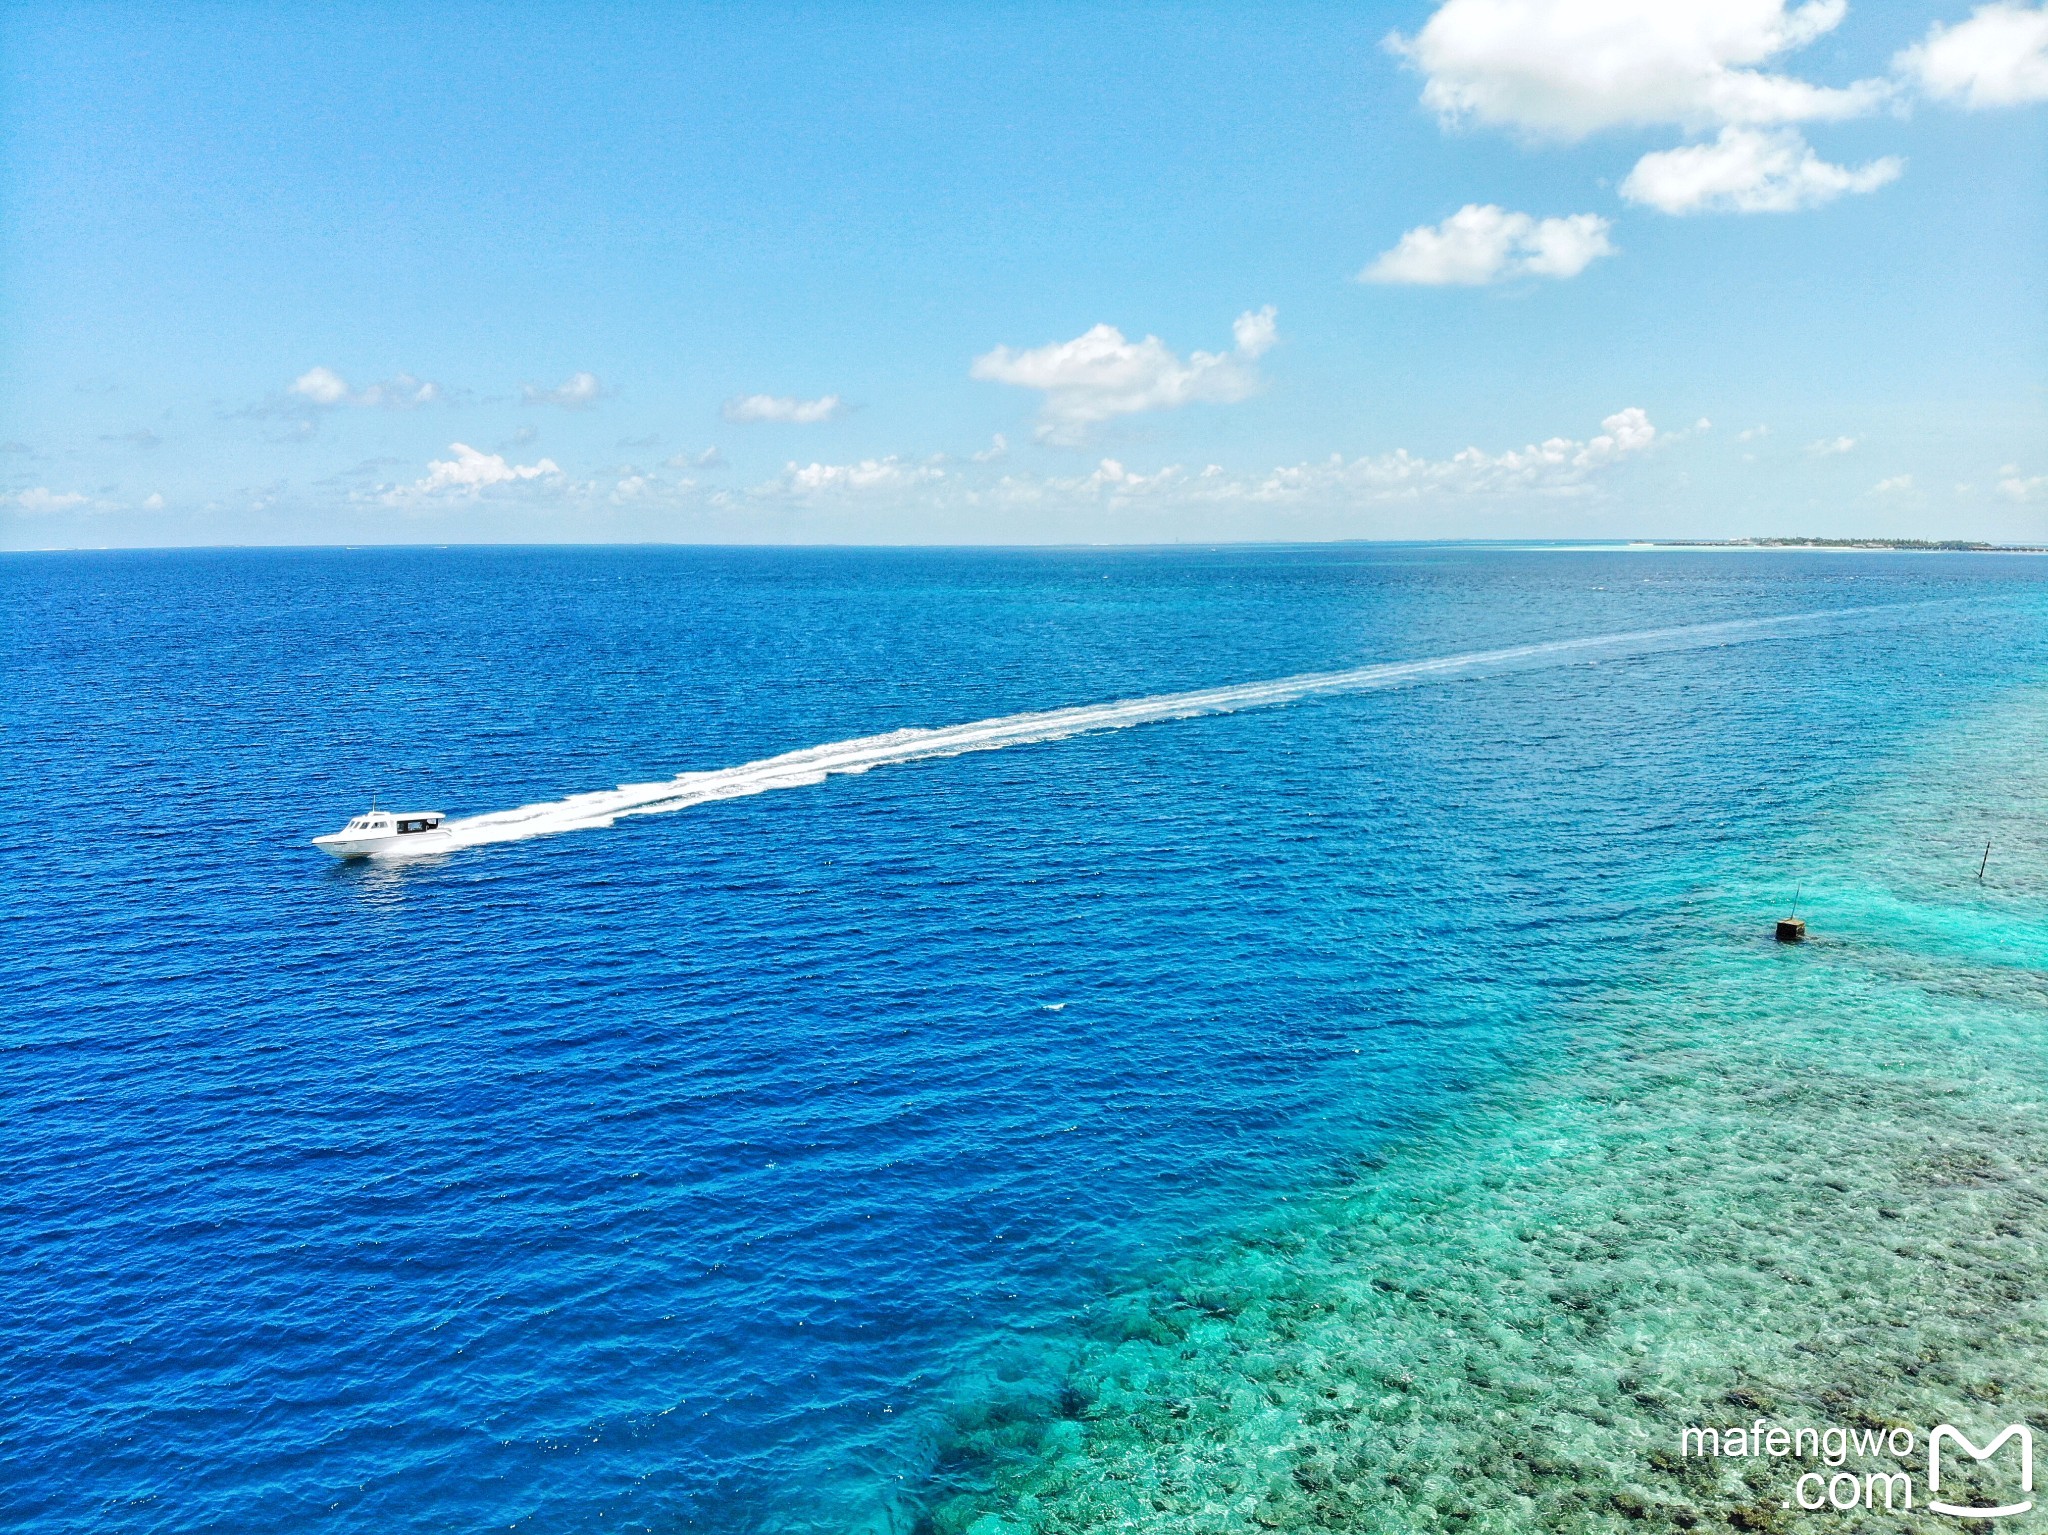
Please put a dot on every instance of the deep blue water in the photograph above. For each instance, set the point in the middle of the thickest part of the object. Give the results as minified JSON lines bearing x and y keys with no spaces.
{"x":696,"y":1173}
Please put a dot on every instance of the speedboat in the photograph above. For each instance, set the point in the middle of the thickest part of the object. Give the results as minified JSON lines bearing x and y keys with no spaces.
{"x":383,"y":833}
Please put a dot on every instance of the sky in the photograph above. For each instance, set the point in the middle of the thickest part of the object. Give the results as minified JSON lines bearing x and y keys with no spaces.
{"x":1010,"y":273}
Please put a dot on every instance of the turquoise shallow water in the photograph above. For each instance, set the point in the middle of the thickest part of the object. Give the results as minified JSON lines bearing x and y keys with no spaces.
{"x":1807,"y":1184}
{"x":1384,"y":1108}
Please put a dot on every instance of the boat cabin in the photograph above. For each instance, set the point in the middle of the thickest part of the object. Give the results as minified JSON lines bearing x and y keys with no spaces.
{"x":388,"y":823}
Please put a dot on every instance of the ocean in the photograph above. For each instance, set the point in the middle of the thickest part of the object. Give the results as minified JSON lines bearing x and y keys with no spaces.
{"x":1221,"y":1039}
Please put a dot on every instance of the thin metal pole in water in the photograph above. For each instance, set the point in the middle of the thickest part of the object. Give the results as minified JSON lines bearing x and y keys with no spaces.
{"x":1982,"y":862}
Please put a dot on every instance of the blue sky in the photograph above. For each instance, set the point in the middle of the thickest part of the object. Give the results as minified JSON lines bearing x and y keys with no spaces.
{"x":1022,"y":273}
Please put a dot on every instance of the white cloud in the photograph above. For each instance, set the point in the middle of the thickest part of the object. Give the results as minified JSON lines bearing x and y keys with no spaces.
{"x":1897,"y":485}
{"x":710,"y":458}
{"x":1998,"y":58}
{"x":1831,"y":447}
{"x":1557,"y":465}
{"x":1747,"y":170}
{"x":784,"y":407}
{"x":400,"y":393}
{"x":870,"y":474}
{"x":153,"y":502}
{"x":2018,"y":487}
{"x":998,"y":448}
{"x":1101,"y":375}
{"x":1568,"y":68}
{"x":1753,"y":433}
{"x":469,"y":473}
{"x":1483,"y":243}
{"x":327,"y":389}
{"x":1256,"y":331}
{"x":323,"y":386}
{"x":573,"y":393}
{"x":1560,"y":466}
{"x":43,"y":499}
{"x":1563,"y":69}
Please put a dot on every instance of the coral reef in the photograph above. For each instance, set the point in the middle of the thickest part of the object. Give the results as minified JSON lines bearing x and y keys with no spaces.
{"x":1805,"y":1186}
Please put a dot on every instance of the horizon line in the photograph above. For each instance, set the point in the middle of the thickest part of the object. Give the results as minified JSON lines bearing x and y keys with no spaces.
{"x":1751,"y":543}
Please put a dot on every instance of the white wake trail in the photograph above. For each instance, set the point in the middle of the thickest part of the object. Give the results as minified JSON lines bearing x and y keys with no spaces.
{"x":814,"y":764}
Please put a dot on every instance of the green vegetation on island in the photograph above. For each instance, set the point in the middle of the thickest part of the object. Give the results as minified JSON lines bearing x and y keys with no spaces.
{"x":1931,"y":545}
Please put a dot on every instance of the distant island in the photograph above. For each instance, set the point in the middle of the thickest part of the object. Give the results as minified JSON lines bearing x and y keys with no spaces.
{"x":1938,"y":546}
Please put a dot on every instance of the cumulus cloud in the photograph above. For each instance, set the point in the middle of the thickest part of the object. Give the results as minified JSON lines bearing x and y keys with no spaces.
{"x":1557,"y":467}
{"x":998,"y":448}
{"x":1749,"y":170}
{"x":2018,"y":487}
{"x":1831,"y":447}
{"x":870,"y":474}
{"x":1897,"y":485}
{"x":323,"y":386}
{"x":1564,"y":69}
{"x":1256,"y":331}
{"x":573,"y":393}
{"x":402,"y":392}
{"x":783,"y":407}
{"x":1998,"y":58}
{"x":469,"y":473}
{"x":1484,"y":243}
{"x":1567,"y":68}
{"x":1100,"y":374}
{"x":710,"y":458}
{"x":42,"y":500}
{"x":326,"y":389}
{"x":153,"y":502}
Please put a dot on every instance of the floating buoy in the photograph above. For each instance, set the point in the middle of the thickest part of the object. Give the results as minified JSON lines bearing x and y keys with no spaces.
{"x":1791,"y":930}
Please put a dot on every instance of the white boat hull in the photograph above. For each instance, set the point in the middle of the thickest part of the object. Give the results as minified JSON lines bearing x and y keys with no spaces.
{"x":382,"y":844}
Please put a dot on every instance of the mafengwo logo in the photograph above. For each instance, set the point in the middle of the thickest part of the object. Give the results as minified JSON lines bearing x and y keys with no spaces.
{"x":1873,"y":1468}
{"x":1943,"y":1433}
